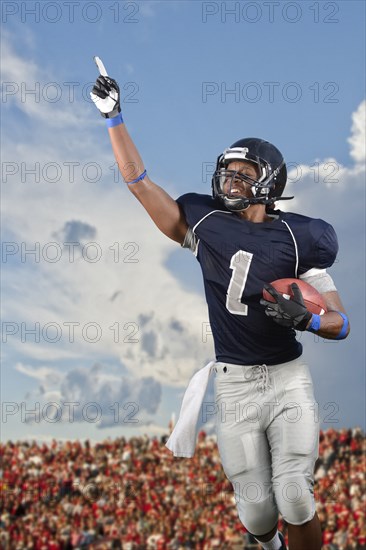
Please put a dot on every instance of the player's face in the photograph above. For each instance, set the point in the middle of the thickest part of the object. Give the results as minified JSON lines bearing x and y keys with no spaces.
{"x":237,"y":186}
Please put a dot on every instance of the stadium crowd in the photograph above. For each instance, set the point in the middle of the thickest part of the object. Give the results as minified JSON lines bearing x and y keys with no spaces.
{"x":131,"y":494}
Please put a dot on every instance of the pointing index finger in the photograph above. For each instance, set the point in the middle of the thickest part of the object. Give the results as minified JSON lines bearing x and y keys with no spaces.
{"x":99,"y":63}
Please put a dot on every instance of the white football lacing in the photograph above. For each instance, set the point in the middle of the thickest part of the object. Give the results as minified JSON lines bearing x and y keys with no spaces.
{"x":261,"y":374}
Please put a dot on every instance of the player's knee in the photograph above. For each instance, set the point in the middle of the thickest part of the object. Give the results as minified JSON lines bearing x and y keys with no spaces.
{"x":295,"y":500}
{"x":258,"y":517}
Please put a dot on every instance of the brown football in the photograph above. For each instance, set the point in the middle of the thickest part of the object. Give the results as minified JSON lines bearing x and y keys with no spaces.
{"x":313,"y":300}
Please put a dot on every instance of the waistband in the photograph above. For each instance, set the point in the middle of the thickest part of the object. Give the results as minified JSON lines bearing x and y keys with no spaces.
{"x":234,"y":368}
{"x":259,"y":373}
{"x":247,"y":373}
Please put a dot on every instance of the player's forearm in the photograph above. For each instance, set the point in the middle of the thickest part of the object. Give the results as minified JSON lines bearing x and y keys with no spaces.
{"x":334,"y":324}
{"x":331,"y":324}
{"x":161,"y":207}
{"x":164,"y":211}
{"x":127,"y":156}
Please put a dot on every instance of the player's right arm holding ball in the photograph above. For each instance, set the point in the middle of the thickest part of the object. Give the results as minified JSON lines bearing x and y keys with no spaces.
{"x":162,"y":208}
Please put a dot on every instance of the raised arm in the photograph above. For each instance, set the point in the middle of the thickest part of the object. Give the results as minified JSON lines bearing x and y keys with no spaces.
{"x":161,"y":207}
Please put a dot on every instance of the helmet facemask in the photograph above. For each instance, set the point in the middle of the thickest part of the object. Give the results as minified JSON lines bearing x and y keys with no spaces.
{"x":265,"y":189}
{"x":224,"y":180}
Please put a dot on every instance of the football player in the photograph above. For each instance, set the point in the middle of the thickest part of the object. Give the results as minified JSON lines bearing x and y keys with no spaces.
{"x":267,"y":426}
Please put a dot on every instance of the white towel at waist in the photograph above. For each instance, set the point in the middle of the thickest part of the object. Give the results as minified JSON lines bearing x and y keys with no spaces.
{"x":182,"y":440}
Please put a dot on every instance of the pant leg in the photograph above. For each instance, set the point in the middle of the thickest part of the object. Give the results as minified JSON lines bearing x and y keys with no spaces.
{"x":293,"y":436}
{"x":244,"y":449}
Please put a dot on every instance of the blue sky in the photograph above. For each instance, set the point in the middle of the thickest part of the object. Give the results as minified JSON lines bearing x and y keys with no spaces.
{"x":196,"y":76}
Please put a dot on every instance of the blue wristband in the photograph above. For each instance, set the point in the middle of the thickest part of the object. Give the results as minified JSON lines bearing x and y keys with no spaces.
{"x":344,"y":328}
{"x":315,"y":323}
{"x":115,"y":121}
{"x":141,"y":177}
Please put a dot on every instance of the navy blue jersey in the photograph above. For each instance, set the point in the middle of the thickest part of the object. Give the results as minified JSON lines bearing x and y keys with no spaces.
{"x":237,"y":257}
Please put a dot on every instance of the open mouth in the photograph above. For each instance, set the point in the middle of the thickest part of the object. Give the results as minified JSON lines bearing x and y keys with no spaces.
{"x":236,"y":191}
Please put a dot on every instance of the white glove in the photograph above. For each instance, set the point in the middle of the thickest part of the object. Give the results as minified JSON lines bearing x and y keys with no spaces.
{"x":105,"y":93}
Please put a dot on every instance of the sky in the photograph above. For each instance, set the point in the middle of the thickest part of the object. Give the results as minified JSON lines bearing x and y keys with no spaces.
{"x":104,"y":319}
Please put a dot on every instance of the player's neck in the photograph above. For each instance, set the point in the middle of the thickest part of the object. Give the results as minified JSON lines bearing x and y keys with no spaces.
{"x":255,"y":213}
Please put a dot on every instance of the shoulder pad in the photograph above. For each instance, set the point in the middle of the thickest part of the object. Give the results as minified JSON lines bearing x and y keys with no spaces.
{"x":196,"y":206}
{"x":316,"y":241}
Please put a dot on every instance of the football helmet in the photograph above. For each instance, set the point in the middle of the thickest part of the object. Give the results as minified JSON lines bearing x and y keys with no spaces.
{"x":271,"y":174}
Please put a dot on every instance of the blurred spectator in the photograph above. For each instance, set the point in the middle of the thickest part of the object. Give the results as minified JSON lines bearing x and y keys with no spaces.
{"x":133,"y":495}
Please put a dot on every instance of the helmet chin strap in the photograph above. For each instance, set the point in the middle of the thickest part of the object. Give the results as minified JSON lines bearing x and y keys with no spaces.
{"x":243,"y":209}
{"x":243,"y":203}
{"x":252,"y":201}
{"x":239,"y":204}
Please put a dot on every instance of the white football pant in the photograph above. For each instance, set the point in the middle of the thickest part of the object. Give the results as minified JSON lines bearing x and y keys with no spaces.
{"x":268,"y":433}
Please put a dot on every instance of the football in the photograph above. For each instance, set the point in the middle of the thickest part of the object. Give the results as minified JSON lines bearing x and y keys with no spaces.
{"x":312,"y":298}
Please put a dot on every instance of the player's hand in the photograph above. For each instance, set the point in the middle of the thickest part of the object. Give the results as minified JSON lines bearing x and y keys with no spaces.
{"x":105,"y":93}
{"x":287,"y":313}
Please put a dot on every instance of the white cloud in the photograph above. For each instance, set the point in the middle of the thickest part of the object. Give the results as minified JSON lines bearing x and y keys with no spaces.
{"x":336,"y":193}
{"x":44,"y":375}
{"x":357,"y":139}
{"x":40,"y":93}
{"x":61,"y":293}
{"x":107,"y":398}
{"x":128,"y":300}
{"x":114,"y":293}
{"x":328,"y":189}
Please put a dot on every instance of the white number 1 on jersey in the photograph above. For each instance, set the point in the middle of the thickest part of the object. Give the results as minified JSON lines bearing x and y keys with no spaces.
{"x":240,"y":264}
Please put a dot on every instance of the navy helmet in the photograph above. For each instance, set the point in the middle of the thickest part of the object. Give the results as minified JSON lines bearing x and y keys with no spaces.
{"x":271,"y":174}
